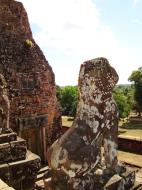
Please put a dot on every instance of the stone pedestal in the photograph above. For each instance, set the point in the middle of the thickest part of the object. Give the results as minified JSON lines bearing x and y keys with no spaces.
{"x":18,"y":167}
{"x":100,"y":181}
{"x":11,"y":148}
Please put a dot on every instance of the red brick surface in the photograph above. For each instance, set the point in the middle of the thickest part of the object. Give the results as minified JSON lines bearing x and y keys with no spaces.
{"x":30,"y":79}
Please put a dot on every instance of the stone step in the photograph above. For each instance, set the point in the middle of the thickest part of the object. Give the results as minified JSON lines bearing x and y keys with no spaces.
{"x":39,"y":185}
{"x":40,"y":177}
{"x":12,"y":151}
{"x":21,"y":174}
{"x":8,"y":137}
{"x":43,"y":169}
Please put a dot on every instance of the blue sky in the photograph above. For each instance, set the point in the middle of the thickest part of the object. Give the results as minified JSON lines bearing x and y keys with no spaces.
{"x":72,"y":31}
{"x":124,"y":18}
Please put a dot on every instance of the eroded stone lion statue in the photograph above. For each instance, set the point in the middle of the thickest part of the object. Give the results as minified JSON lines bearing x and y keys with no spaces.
{"x":77,"y":154}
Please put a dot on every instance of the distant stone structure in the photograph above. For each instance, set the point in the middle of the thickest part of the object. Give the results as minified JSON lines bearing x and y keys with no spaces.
{"x":34,"y":112}
{"x":4,"y":104}
{"x":75,"y":159}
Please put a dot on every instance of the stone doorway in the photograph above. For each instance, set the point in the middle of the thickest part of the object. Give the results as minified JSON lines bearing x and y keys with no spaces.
{"x":32,"y":129}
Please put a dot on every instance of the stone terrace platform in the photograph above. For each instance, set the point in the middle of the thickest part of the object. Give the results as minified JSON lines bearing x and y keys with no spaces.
{"x":18,"y":166}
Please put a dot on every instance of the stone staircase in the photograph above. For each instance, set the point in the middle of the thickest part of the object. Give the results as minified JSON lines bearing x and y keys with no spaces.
{"x":18,"y":166}
{"x":40,"y":178}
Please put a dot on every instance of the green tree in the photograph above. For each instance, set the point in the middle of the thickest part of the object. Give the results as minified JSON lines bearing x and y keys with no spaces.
{"x":136,"y":78}
{"x":68,"y":97}
{"x":124,"y":99}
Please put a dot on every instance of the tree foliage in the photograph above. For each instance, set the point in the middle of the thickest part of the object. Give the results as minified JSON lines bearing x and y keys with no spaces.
{"x":68,"y":97}
{"x":124,"y":99}
{"x":136,"y":78}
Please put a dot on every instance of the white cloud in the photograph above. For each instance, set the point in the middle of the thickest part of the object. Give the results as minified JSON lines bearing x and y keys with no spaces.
{"x":136,"y":21}
{"x":74,"y":27}
{"x":63,"y":23}
{"x":136,"y":2}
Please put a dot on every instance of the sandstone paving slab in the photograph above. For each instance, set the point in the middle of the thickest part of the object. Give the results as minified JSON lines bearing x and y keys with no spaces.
{"x":4,"y":186}
{"x":130,"y":158}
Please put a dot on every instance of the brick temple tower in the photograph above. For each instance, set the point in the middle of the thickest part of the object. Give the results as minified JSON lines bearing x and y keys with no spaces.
{"x":34,"y":110}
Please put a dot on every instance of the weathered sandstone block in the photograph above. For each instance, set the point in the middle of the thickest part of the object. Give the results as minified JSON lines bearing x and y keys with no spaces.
{"x":11,"y":151}
{"x":7,"y":137}
{"x":21,"y":174}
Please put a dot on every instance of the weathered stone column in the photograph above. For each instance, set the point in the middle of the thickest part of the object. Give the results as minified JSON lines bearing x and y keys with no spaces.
{"x":4,"y":104}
